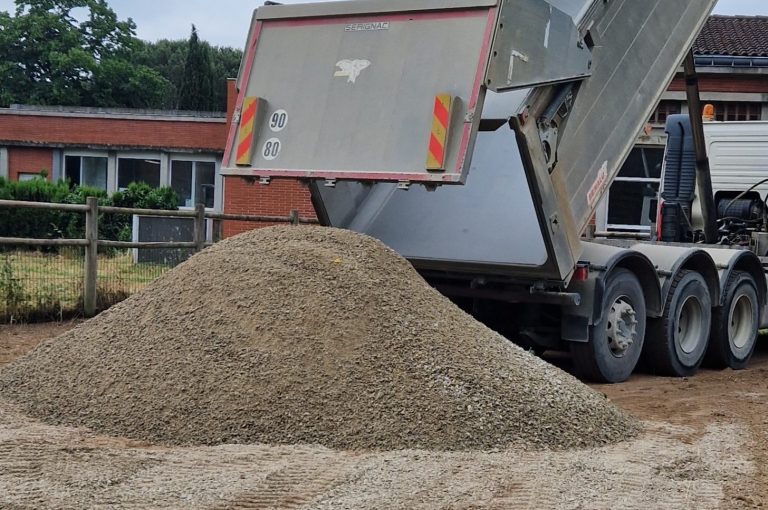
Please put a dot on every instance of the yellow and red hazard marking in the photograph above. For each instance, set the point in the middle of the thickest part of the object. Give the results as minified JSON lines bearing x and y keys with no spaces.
{"x":247,"y":132}
{"x":441,"y":119}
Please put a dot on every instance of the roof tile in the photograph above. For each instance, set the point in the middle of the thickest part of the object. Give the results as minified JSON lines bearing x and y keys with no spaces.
{"x":736,"y":36}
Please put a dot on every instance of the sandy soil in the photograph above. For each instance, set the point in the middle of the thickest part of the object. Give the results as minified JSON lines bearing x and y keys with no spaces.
{"x":704,"y":447}
{"x":16,"y":340}
{"x":712,"y":398}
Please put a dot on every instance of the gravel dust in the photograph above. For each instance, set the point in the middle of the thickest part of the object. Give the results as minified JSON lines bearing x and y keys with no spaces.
{"x":305,"y":335}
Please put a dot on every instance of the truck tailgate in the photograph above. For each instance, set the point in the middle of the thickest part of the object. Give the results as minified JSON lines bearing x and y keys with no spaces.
{"x":344,"y":79}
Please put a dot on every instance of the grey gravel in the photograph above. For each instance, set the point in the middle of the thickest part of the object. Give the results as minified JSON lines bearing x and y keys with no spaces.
{"x":305,"y":335}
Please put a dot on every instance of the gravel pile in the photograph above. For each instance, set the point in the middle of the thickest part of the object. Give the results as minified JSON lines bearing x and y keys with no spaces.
{"x":292,"y":335}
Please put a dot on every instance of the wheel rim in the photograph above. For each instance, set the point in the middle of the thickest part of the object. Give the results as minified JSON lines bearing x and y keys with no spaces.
{"x":740,"y":322}
{"x":689,"y":328}
{"x":621,"y":326}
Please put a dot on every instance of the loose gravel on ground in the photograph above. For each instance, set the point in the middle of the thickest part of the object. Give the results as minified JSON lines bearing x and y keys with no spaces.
{"x":305,"y":335}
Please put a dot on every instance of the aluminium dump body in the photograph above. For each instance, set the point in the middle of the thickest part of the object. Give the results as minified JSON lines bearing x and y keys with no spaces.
{"x":513,"y":216}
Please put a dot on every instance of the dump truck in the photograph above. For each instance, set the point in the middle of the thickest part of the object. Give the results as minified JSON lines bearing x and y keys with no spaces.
{"x":476,"y":138}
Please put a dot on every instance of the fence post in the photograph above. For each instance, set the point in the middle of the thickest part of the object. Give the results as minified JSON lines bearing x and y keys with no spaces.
{"x":199,"y":229}
{"x":91,"y":256}
{"x":294,"y":216}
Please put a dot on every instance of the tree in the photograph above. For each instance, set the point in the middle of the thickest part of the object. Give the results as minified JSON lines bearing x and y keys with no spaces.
{"x":11,"y":74}
{"x":169,"y":58}
{"x":226,"y":64}
{"x":197,"y":83}
{"x":44,"y":51}
{"x":118,"y":83}
{"x":48,"y":56}
{"x":53,"y":58}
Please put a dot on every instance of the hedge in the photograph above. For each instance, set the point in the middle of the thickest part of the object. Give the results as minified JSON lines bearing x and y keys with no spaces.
{"x":45,"y":224}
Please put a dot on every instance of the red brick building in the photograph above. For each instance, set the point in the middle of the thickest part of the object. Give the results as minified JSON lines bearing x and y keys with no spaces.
{"x":109,"y":148}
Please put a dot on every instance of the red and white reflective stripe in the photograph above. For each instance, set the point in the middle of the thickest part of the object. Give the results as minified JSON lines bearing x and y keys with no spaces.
{"x":247,"y":132}
{"x":441,"y":118}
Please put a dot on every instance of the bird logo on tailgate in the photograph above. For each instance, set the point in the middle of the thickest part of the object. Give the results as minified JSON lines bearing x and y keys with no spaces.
{"x":351,"y":69}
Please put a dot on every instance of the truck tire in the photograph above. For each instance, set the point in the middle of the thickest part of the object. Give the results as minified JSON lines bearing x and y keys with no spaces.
{"x":735,"y":324}
{"x":677,"y":341}
{"x":616,"y":342}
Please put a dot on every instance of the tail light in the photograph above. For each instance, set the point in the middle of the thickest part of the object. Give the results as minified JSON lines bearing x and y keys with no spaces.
{"x":659,"y":218}
{"x":581,"y":274}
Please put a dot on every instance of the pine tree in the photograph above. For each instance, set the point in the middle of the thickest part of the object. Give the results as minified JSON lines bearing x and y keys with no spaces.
{"x":197,"y":91}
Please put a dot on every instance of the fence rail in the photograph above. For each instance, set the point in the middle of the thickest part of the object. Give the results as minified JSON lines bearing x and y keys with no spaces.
{"x":91,"y":243}
{"x":23,"y":241}
{"x":17,"y":204}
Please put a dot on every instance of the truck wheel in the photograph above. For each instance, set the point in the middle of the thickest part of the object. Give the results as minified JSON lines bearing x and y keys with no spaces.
{"x":735,"y":324}
{"x":677,"y":341}
{"x":615,"y":343}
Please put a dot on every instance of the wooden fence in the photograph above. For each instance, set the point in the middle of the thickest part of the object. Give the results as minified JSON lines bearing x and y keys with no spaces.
{"x":91,"y":243}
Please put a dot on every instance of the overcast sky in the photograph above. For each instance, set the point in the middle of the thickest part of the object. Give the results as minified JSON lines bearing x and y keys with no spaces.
{"x":225,"y":22}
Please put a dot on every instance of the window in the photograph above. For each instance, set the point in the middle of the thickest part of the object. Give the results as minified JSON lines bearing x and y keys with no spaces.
{"x":664,"y":110}
{"x":632,"y":196}
{"x":181,"y":182}
{"x":738,"y":111}
{"x":86,"y":171}
{"x":26,"y":176}
{"x":4,"y":162}
{"x":194,"y":182}
{"x":138,"y":170}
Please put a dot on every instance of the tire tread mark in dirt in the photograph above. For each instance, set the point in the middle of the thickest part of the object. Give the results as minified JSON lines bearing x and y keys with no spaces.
{"x":292,"y":486}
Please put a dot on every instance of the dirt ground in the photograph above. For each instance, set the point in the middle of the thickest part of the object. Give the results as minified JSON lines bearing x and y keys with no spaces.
{"x":705,"y":446}
{"x":16,"y":340}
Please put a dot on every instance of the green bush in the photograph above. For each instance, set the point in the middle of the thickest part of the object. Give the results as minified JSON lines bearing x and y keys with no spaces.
{"x":75,"y":225}
{"x":32,"y":223}
{"x":44,"y":224}
{"x":141,"y":196}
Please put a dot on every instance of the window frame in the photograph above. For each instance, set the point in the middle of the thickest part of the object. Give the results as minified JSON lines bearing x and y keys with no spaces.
{"x":603,"y":213}
{"x":5,"y":171}
{"x":724,"y":108}
{"x":654,"y":120}
{"x":194,"y":159}
{"x":138,"y":155}
{"x":81,"y":155}
{"x":27,"y":176}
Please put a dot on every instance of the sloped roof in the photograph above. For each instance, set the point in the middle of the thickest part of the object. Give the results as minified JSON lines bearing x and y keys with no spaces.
{"x":736,"y":36}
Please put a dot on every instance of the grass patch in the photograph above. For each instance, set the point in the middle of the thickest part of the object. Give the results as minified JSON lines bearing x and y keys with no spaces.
{"x":41,"y":286}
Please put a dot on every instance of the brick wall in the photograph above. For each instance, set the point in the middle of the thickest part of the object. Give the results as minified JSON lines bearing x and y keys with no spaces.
{"x":231,"y":99}
{"x":120,"y":132}
{"x":277,"y":199}
{"x":725,"y":83}
{"x":29,"y":160}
